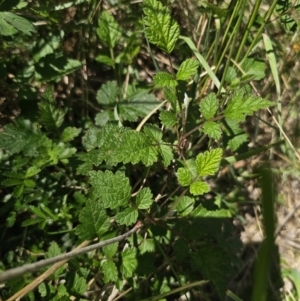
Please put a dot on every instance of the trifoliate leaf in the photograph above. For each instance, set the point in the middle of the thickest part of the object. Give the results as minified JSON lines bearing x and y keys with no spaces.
{"x":184,"y":176}
{"x":212,"y":129}
{"x":110,"y":271}
{"x":199,"y":188}
{"x":185,"y":206}
{"x":113,"y":190}
{"x":93,"y":221}
{"x":129,"y":262}
{"x":140,"y":104}
{"x":69,"y":134}
{"x":240,"y":105}
{"x":209,"y":106}
{"x":166,"y":153}
{"x":208,"y":162}
{"x":200,"y":211}
{"x":127,"y":216}
{"x":109,"y":31}
{"x":164,"y":79}
{"x":144,"y":198}
{"x":108,"y":93}
{"x":160,"y":29}
{"x":168,"y":118}
{"x":187,"y":69}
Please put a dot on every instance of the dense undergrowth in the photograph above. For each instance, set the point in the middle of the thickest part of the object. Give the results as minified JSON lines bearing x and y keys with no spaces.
{"x":122,"y":126}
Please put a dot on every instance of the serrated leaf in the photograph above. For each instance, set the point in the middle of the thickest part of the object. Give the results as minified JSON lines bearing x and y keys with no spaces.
{"x":32,"y":171}
{"x":153,"y":132}
{"x":102,"y":118}
{"x":11,"y":23}
{"x":106,"y":60}
{"x":119,"y":144}
{"x":111,"y":249}
{"x":147,"y":245}
{"x":113,"y":190}
{"x":108,"y":93}
{"x":160,"y":29}
{"x":10,"y":219}
{"x":168,"y":118}
{"x":185,"y":206}
{"x":212,"y":129}
{"x":184,"y":176}
{"x":199,"y":188}
{"x":37,"y":211}
{"x":46,"y":45}
{"x":50,"y":116}
{"x":127,"y":216}
{"x":239,"y":105}
{"x":208,"y":162}
{"x":144,"y":198}
{"x":12,"y":182}
{"x":93,"y":221}
{"x":29,"y":183}
{"x":129,"y":262}
{"x":53,"y":250}
{"x":166,"y":153}
{"x":164,"y":79}
{"x":69,"y":134}
{"x":140,"y":104}
{"x":254,"y":67}
{"x":131,"y":50}
{"x":75,"y":284}
{"x":209,"y":106}
{"x":170,"y":94}
{"x":237,"y":141}
{"x":200,"y":211}
{"x":110,"y":271}
{"x":187,"y":69}
{"x":109,"y":31}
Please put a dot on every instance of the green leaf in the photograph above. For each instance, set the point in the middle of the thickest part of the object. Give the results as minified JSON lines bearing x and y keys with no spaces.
{"x":187,"y":69}
{"x":93,"y":221}
{"x":184,"y":176}
{"x":160,"y":29}
{"x":129,"y":262}
{"x":200,"y":211}
{"x":255,"y":68}
{"x":75,"y":284}
{"x":21,"y":135}
{"x":69,"y":134}
{"x":106,"y":60}
{"x":102,"y":118}
{"x":164,"y":79}
{"x":119,"y":144}
{"x":10,"y":219}
{"x":113,"y":190}
{"x":108,"y":93}
{"x":144,"y":198}
{"x":53,"y":250}
{"x":168,"y":118}
{"x":109,"y":31}
{"x":237,"y":141}
{"x":110,"y":271}
{"x":131,"y":50}
{"x":209,"y":106}
{"x":32,"y":171}
{"x":170,"y":94}
{"x":111,"y":249}
{"x":38,"y":212}
{"x":140,"y":104}
{"x":32,"y":221}
{"x":47,"y":45}
{"x":127,"y":216}
{"x":166,"y":153}
{"x":29,"y":183}
{"x":147,"y":245}
{"x":208,"y":162}
{"x":50,"y":116}
{"x":185,"y":206}
{"x":12,"y":182}
{"x":199,"y":188}
{"x":212,"y":129}
{"x":153,"y":132}
{"x":239,"y":105}
{"x":11,"y":23}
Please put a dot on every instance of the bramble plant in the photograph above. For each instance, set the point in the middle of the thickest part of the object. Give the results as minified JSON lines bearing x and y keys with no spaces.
{"x":138,"y":172}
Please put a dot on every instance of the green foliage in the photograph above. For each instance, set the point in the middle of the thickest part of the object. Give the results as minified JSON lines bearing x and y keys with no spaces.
{"x":97,"y":150}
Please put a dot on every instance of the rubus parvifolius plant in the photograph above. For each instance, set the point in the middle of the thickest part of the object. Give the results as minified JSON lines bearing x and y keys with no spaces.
{"x":149,"y":183}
